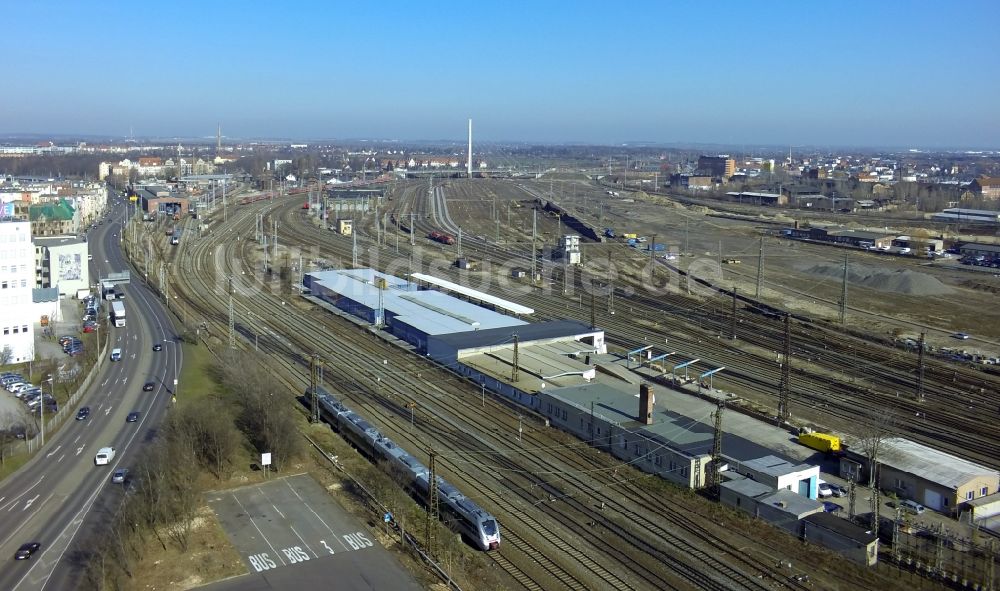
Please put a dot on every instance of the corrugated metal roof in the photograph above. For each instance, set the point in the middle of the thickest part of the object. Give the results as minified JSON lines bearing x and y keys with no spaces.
{"x":931,"y":464}
{"x":525,"y":333}
{"x":428,"y":311}
{"x":474,"y":294}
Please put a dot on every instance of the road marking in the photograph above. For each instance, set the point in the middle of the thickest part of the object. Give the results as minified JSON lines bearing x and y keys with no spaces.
{"x":105,"y":382}
{"x":307,"y":506}
{"x":280,"y":513}
{"x":51,"y":453}
{"x":27,"y":504}
{"x":14,"y":500}
{"x":254,"y":523}
{"x":125,"y":379}
{"x":77,"y":438}
{"x":79,"y":450}
{"x":108,"y":411}
{"x":61,"y":458}
{"x":304,"y":543}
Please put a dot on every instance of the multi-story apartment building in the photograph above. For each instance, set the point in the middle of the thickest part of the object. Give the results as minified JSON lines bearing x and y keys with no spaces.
{"x":54,"y":218}
{"x":17,"y":279}
{"x":61,"y":261}
{"x":721,"y":167}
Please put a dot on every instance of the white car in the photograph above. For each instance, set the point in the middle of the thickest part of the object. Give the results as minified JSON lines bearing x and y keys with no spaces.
{"x":104,"y":456}
{"x":824,"y":490}
{"x":116,"y":354}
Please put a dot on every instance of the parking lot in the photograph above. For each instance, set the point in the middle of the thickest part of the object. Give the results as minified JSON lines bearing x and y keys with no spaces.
{"x":293,"y":522}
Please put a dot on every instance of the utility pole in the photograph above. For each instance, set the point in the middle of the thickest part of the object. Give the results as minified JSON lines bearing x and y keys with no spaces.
{"x":652,"y":251}
{"x":593,"y":309}
{"x":514,"y":368}
{"x":784,"y":387}
{"x":852,"y":492}
{"x":732,"y":330}
{"x":611,"y":288}
{"x":314,"y":388}
{"x":760,"y":269}
{"x":716,"y":471}
{"x":460,"y":242}
{"x":411,"y":228}
{"x":687,"y":222}
{"x":354,"y":246}
{"x":232,"y":324}
{"x":431,"y":517}
{"x":843,"y":294}
{"x":534,"y":228}
{"x":920,"y":367}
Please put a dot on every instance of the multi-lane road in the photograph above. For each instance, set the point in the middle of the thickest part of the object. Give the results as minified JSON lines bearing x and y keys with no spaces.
{"x":60,"y":496}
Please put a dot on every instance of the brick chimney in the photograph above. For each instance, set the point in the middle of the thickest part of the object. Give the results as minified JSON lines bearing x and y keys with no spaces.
{"x":645,"y":404}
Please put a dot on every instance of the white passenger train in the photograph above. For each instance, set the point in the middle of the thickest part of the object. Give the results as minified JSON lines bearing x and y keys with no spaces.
{"x":475,"y":523}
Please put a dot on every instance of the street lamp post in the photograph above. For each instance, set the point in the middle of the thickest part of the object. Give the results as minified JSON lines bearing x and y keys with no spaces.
{"x":41,"y":409}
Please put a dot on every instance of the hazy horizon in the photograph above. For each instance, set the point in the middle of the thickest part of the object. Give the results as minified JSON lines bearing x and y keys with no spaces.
{"x":906,"y":75}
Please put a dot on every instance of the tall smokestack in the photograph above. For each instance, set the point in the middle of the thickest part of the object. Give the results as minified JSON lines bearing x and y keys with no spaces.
{"x":468,"y":163}
{"x":646,"y":404}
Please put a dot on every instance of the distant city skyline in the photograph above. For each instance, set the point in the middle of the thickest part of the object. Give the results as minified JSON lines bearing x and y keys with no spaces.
{"x":894,"y":74}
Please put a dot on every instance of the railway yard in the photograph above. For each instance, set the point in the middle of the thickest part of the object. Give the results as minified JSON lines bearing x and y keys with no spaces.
{"x":571,"y":516}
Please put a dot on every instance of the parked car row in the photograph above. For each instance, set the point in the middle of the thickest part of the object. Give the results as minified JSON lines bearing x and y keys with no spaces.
{"x":980,"y":261}
{"x":71,"y":345}
{"x":92,"y":307}
{"x":31,"y":395}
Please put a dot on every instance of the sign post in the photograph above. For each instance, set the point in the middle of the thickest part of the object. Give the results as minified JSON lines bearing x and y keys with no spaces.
{"x":265,"y":461}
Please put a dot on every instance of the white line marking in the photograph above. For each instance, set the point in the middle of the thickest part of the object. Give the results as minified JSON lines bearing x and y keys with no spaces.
{"x":14,"y":500}
{"x":307,"y":506}
{"x":247,"y":513}
{"x":27,"y":504}
{"x":306,"y":544}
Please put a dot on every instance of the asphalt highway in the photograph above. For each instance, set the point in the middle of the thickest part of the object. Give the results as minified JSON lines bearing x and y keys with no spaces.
{"x":60,"y":497}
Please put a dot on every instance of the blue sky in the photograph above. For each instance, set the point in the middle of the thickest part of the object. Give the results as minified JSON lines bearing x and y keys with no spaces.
{"x":917,"y":73}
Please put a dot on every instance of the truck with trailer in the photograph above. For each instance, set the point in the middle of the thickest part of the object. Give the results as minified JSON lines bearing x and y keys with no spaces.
{"x":824,"y":442}
{"x":118,"y":312}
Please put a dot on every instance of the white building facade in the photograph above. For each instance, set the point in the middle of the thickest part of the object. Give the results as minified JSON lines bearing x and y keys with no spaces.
{"x":17,"y":279}
{"x":62,"y":262}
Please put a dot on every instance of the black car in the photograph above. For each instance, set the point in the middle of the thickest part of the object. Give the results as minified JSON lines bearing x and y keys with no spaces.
{"x":148,"y":387}
{"x":26,"y":550}
{"x":157,"y":347}
{"x":132,"y":417}
{"x":83,"y":413}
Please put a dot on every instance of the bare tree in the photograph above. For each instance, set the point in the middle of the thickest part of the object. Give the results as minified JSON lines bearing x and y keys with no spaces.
{"x":872,"y":436}
{"x":6,"y":354}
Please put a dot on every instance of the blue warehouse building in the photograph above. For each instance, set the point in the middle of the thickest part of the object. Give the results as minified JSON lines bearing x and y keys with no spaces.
{"x":410,"y":313}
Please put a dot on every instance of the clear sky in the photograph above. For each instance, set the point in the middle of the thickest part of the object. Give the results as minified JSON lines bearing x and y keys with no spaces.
{"x":908,"y":73}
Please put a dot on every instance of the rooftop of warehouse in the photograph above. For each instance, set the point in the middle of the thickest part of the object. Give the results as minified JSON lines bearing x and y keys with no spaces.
{"x":429,"y":311}
{"x":842,"y":526}
{"x":745,"y":486}
{"x":790,"y":502}
{"x":931,"y":464}
{"x":537,"y":365}
{"x":535,"y":331}
{"x":773,"y":466}
{"x":619,"y":403}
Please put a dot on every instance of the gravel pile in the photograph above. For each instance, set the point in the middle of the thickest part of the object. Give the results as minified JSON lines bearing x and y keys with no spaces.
{"x":882,"y":279}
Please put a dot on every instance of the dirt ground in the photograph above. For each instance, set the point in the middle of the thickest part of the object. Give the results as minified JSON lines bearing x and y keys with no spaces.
{"x":885,"y":293}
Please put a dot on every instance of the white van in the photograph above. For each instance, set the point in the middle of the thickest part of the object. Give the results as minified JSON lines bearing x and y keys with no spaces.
{"x":911,"y":506}
{"x":104,"y":456}
{"x":116,"y":354}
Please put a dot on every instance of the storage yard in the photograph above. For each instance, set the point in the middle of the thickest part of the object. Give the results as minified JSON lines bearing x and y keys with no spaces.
{"x":521,"y":401}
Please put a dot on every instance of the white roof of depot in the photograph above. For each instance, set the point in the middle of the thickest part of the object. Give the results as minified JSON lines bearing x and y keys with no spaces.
{"x":474,"y":294}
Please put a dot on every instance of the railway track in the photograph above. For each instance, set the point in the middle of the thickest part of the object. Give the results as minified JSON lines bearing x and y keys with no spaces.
{"x":211,"y":308}
{"x":951,"y":413}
